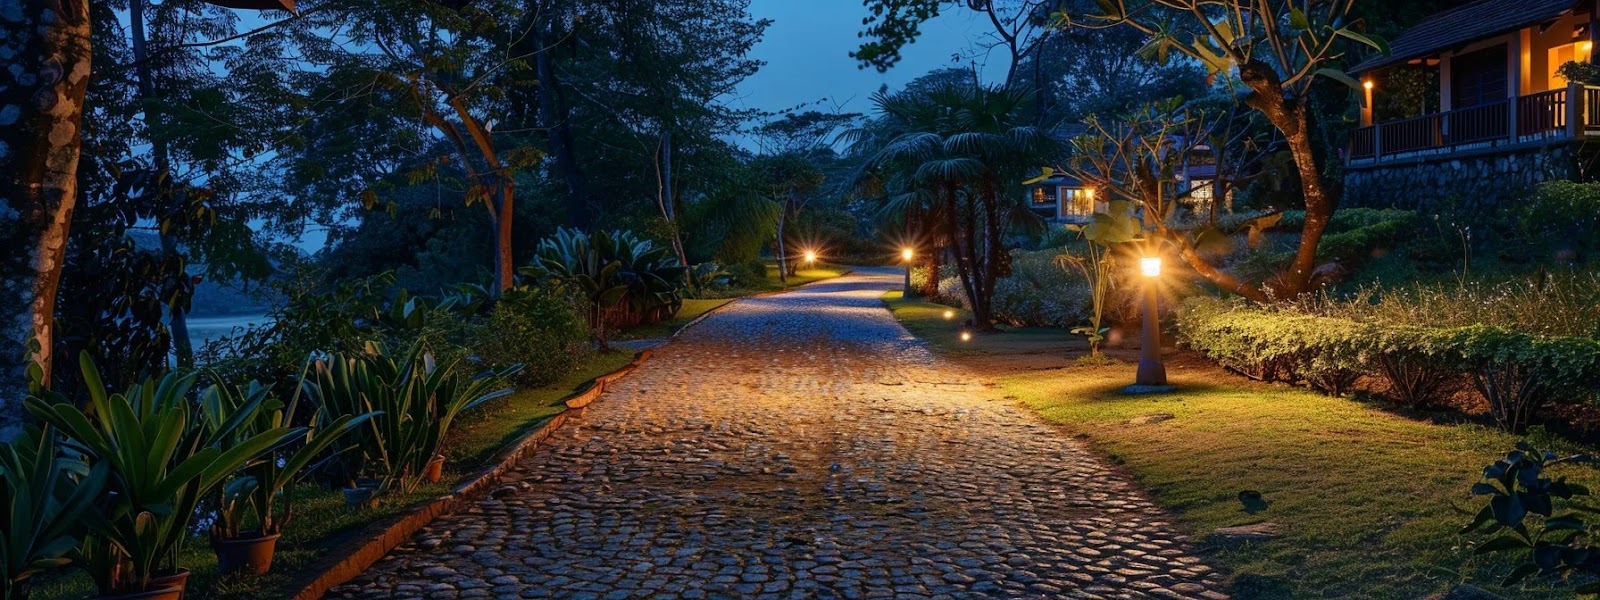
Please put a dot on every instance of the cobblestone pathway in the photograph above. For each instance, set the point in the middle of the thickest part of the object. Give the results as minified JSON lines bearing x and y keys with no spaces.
{"x":801,"y":446}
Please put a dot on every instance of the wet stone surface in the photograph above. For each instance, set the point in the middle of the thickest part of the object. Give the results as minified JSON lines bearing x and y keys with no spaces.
{"x":802,"y":446}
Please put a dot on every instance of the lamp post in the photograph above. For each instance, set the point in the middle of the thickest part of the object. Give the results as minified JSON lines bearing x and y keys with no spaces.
{"x":906,"y":254}
{"x":1151,"y":371}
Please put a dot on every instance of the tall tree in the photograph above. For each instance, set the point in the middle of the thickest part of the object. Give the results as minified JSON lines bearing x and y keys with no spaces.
{"x":50,"y":45}
{"x":964,"y":150}
{"x":1276,"y":50}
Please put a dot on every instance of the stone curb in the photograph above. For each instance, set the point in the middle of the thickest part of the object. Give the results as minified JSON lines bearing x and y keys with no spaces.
{"x":358,"y":558}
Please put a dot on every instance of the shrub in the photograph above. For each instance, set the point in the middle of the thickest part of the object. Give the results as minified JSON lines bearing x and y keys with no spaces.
{"x":623,"y":279}
{"x":1540,"y":519}
{"x":1038,"y":293}
{"x":1562,"y":213}
{"x":414,"y":402}
{"x":749,"y":274}
{"x":1330,"y":346}
{"x":1355,"y":234}
{"x":539,"y":328}
{"x":1327,"y":354}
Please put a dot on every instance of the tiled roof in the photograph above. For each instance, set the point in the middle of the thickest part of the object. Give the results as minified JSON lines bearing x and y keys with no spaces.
{"x":1464,"y":25}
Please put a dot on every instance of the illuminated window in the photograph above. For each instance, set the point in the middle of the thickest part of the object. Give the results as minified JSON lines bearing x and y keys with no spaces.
{"x":1201,"y":193}
{"x":1076,"y":202}
{"x":1039,"y":196}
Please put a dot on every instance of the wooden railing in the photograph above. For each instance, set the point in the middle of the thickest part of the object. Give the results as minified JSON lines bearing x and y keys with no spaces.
{"x":1541,"y":115}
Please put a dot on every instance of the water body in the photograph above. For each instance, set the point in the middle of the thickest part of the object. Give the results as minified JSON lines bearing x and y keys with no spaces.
{"x":203,"y":329}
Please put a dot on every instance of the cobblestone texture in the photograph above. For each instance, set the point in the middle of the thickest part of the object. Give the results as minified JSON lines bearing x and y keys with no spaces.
{"x":802,"y":446}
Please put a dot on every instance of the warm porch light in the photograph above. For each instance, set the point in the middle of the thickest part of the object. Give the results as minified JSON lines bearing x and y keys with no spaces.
{"x":1150,"y":266}
{"x":1367,"y":84}
{"x":906,"y":254}
{"x":949,"y":314}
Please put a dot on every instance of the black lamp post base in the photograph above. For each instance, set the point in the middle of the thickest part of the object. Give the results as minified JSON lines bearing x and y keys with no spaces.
{"x":1151,"y":373}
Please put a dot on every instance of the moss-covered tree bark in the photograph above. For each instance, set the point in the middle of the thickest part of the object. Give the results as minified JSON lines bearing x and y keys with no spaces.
{"x":46,"y":47}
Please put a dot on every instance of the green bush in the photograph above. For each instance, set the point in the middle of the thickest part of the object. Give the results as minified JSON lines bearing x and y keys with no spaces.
{"x":1562,"y":213}
{"x":1038,"y":293}
{"x":537,"y":327}
{"x":1327,"y":354}
{"x":749,"y":274}
{"x":1355,"y":234}
{"x":1516,"y":372}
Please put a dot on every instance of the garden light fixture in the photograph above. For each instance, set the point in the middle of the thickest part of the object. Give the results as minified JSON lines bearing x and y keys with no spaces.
{"x":966,"y":336}
{"x":949,"y":314}
{"x":906,"y":254}
{"x":1150,"y":266}
{"x":1151,"y":372}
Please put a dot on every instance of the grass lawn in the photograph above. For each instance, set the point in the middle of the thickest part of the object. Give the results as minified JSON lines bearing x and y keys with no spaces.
{"x":802,"y":276}
{"x":322,"y":520}
{"x":1365,"y":498}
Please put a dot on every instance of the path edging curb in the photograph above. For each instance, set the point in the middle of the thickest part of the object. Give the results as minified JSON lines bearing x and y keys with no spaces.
{"x":358,"y":559}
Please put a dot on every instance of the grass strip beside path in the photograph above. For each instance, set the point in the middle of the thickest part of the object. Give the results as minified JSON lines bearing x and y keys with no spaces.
{"x":1365,"y":498}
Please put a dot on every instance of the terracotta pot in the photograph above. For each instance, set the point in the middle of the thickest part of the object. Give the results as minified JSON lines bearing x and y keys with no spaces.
{"x":435,"y":469}
{"x":176,"y":579}
{"x":251,"y":555}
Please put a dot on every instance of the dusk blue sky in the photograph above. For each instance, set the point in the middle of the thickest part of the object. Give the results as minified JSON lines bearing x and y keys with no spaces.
{"x":808,"y":46}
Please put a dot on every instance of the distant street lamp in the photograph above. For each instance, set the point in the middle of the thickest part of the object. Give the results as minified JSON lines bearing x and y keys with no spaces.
{"x":906,"y":254}
{"x":1151,"y":372}
{"x":811,"y":257}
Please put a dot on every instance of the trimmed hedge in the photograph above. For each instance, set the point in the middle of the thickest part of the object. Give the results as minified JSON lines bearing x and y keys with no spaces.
{"x":1515,"y":372}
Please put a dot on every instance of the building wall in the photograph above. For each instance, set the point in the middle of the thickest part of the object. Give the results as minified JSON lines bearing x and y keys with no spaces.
{"x":1470,"y":183}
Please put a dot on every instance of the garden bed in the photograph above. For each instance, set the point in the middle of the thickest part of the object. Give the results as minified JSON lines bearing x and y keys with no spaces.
{"x":1367,"y":501}
{"x":324,"y":523}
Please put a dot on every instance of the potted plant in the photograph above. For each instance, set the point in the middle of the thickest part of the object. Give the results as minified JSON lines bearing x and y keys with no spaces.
{"x":47,"y":498}
{"x":413,"y":404}
{"x":259,"y":488}
{"x":160,"y":462}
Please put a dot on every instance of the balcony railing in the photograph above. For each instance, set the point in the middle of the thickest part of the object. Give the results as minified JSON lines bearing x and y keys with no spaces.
{"x":1540,"y":116}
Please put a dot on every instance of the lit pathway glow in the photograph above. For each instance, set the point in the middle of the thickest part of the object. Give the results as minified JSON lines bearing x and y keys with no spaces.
{"x":802,"y":445}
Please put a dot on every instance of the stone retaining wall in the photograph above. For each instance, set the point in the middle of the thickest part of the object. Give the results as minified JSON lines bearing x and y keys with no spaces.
{"x":1460,"y":182}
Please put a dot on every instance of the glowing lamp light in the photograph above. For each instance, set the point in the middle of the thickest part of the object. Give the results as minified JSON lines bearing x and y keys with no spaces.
{"x":1585,"y":46}
{"x":811,"y":256}
{"x":1089,"y":192}
{"x":966,"y":336}
{"x":1150,"y":266}
{"x":1367,"y":84}
{"x":949,"y":314}
{"x":906,"y":254}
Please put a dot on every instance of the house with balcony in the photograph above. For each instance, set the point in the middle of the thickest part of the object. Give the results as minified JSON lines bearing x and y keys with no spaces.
{"x":1501,"y":119}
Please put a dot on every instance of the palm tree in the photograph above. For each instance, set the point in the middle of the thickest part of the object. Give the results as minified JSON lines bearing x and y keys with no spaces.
{"x":951,"y":160}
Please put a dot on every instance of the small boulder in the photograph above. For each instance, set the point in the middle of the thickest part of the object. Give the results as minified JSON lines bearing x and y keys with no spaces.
{"x":1151,"y":419}
{"x":1245,"y":533}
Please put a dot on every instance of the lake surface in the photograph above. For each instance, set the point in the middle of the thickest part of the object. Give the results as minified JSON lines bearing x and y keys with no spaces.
{"x":204,"y":329}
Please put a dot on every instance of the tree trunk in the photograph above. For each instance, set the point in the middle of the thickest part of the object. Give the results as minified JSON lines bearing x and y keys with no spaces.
{"x":177,"y":319}
{"x":1291,"y":120}
{"x":556,"y":117}
{"x":503,"y":273}
{"x":667,"y":199}
{"x":783,"y":254}
{"x":41,"y":112}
